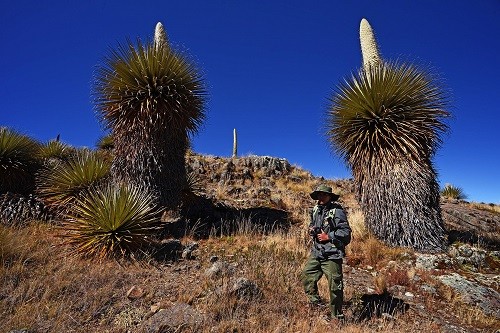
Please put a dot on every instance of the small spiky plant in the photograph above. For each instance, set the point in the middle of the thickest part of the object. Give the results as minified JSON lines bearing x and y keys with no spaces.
{"x":58,"y":186}
{"x":111,"y":221}
{"x":152,"y":98}
{"x":105,"y":143}
{"x":18,"y":162}
{"x":55,"y":151}
{"x":386,"y":121}
{"x":453,"y":192}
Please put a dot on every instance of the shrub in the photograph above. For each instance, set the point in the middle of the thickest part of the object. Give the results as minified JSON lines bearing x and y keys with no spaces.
{"x":55,"y":151}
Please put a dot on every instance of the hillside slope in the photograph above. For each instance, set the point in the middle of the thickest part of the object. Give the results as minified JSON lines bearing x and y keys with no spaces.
{"x":231,"y":263}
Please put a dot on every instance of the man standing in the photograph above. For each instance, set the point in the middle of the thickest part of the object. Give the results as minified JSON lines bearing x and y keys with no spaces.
{"x":331,"y":233}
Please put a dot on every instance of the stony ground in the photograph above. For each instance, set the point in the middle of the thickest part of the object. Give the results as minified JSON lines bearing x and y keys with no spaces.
{"x":215,"y":271}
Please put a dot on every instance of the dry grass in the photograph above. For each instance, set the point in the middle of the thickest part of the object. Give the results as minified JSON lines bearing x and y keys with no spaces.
{"x":44,"y":290}
{"x":487,"y":207}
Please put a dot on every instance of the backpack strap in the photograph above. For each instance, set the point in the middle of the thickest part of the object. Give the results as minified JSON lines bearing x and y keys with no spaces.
{"x":330,"y":214}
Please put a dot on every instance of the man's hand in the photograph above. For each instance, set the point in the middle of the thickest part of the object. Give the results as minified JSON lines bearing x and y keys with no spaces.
{"x":323,"y":237}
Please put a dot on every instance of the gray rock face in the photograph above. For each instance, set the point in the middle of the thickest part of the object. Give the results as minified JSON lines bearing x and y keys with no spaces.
{"x":473,"y":293}
{"x":180,"y":315}
{"x":219,"y":269}
{"x":245,"y":289}
{"x":432,"y":261}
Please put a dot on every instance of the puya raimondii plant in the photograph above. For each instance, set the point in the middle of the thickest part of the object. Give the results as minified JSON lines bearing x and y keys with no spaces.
{"x":60,"y":184}
{"x":453,"y":192}
{"x":152,"y":99}
{"x":19,"y":161}
{"x":112,"y":220}
{"x":386,"y":121}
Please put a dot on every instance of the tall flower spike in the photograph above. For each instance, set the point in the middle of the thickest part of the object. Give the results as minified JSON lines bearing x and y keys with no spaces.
{"x":160,"y":35}
{"x":369,"y":48}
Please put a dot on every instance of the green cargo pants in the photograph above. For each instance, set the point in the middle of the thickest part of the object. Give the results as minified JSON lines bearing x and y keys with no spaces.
{"x":313,"y":271}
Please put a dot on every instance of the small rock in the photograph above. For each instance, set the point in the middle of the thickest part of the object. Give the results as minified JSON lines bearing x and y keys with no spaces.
{"x":428,"y":289}
{"x":465,"y":250}
{"x":245,"y":289}
{"x":409,"y":294}
{"x":387,"y":316}
{"x":172,"y":318}
{"x":453,"y":252}
{"x":187,"y":253}
{"x":219,"y":269}
{"x":135,"y":293}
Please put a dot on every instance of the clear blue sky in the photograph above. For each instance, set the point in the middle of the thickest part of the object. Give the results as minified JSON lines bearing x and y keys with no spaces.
{"x":269,"y":66}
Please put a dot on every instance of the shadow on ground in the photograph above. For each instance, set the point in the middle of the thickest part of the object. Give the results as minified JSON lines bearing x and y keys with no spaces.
{"x":201,"y":217}
{"x":378,"y":305}
{"x":472,"y":238}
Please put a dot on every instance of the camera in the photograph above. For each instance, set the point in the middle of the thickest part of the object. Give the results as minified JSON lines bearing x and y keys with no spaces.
{"x":315,"y":231}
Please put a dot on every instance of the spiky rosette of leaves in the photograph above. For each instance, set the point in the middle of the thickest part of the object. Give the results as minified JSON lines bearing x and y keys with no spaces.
{"x":453,"y":192}
{"x":18,"y":161}
{"x":153,"y":86}
{"x":386,"y":123}
{"x":105,"y":143}
{"x":60,"y":185}
{"x":112,"y":220}
{"x":152,"y":98}
{"x":389,"y":111}
{"x":55,"y":151}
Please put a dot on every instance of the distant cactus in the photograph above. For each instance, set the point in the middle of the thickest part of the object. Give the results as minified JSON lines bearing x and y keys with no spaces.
{"x":235,"y":144}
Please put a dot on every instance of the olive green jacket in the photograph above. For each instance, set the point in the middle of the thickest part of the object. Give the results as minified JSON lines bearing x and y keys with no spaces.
{"x":332,"y":220}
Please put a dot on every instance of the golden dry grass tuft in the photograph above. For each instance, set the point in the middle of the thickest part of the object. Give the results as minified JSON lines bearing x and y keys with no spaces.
{"x":487,"y":207}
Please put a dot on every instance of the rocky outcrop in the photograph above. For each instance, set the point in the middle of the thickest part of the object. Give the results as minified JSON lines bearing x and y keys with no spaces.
{"x":474,"y":293}
{"x":468,"y":224}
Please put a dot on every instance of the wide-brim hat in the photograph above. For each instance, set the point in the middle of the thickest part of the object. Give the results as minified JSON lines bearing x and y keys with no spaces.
{"x":324,"y":189}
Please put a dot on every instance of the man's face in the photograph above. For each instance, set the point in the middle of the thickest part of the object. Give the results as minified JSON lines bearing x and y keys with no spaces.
{"x":323,"y":198}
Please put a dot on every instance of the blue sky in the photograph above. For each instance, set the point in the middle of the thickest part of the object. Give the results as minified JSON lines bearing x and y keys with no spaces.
{"x":269,"y":66}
